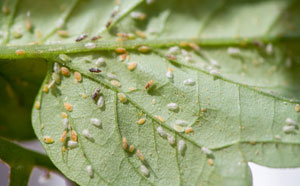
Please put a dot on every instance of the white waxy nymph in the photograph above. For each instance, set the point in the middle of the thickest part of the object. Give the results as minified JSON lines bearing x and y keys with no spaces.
{"x":206,"y":151}
{"x":161,"y":132}
{"x":214,"y":63}
{"x":100,"y":102}
{"x":172,"y":106}
{"x":174,"y":50}
{"x":233,"y":51}
{"x":181,"y":146}
{"x":100,"y":62}
{"x":269,"y":49}
{"x":90,"y":171}
{"x":65,"y":123}
{"x":180,"y":125}
{"x":169,"y":74}
{"x":87,"y":134}
{"x":56,"y":68}
{"x":214,"y":72}
{"x":189,"y":82}
{"x":72,"y":144}
{"x":111,"y":76}
{"x":288,"y":129}
{"x":290,"y":121}
{"x":96,"y":122}
{"x":171,"y":139}
{"x":145,"y":171}
{"x":90,"y":45}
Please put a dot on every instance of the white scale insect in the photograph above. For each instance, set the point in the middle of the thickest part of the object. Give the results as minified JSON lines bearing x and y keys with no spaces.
{"x":100,"y":62}
{"x":161,"y":132}
{"x":100,"y":102}
{"x":169,"y":74}
{"x":181,"y":146}
{"x":72,"y":144}
{"x":172,"y":106}
{"x":171,"y":139}
{"x":87,"y":134}
{"x":145,"y":171}
{"x":95,"y":122}
{"x":56,"y":68}
{"x":65,"y":123}
{"x":174,"y":50}
{"x":90,"y":171}
{"x":90,"y":45}
{"x":233,"y":51}
{"x":206,"y":151}
{"x":189,"y":82}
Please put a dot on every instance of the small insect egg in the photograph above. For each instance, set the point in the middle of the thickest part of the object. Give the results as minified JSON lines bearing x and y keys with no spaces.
{"x":51,"y":84}
{"x":90,"y":171}
{"x":90,"y":45}
{"x":62,"y":33}
{"x":206,"y":151}
{"x":48,"y":139}
{"x":100,"y":102}
{"x":74,"y":136}
{"x":189,"y":130}
{"x":143,"y":49}
{"x":63,"y":149}
{"x":160,"y":118}
{"x":81,"y":37}
{"x":214,"y":72}
{"x":141,"y":121}
{"x":17,"y":34}
{"x":203,"y":109}
{"x":95,"y":70}
{"x":68,"y":107}
{"x":174,"y":50}
{"x":56,"y":68}
{"x":210,"y":162}
{"x":269,"y":49}
{"x":77,"y":76}
{"x":181,"y":146}
{"x":95,"y":122}
{"x":172,"y":106}
{"x":64,"y":115}
{"x":20,"y":52}
{"x":138,"y":16}
{"x":252,"y":142}
{"x":233,"y":51}
{"x":131,"y":89}
{"x":148,"y":84}
{"x":87,"y":134}
{"x":100,"y":62}
{"x":122,"y":97}
{"x":120,"y":50}
{"x":131,"y":36}
{"x":115,"y":83}
{"x":56,"y":77}
{"x":65,"y":123}
{"x":194,"y":46}
{"x":46,"y":89}
{"x":289,"y":121}
{"x":94,"y":38}
{"x":288,"y":62}
{"x":161,"y":132}
{"x":5,"y":9}
{"x":123,"y":57}
{"x":131,"y":149}
{"x":83,"y":95}
{"x":124,"y":143}
{"x":140,"y":34}
{"x":42,"y":126}
{"x":171,"y":139}
{"x":288,"y":129}
{"x":72,"y":144}
{"x":63,"y":136}
{"x":111,"y":76}
{"x":64,"y":57}
{"x":132,"y":66}
{"x":144,"y":170}
{"x":153,"y":101}
{"x":169,"y":74}
{"x":140,"y":155}
{"x":189,"y":82}
{"x":37,"y":105}
{"x":65,"y":71}
{"x":297,"y":108}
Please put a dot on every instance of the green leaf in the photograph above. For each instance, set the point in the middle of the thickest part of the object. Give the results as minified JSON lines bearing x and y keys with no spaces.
{"x":21,"y":161}
{"x":238,"y":114}
{"x":20,"y":80}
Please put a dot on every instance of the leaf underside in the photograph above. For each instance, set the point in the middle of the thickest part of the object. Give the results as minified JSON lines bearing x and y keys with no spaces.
{"x":246,"y":105}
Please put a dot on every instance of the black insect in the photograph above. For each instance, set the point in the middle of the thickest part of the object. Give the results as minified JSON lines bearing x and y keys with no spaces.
{"x":96,"y":70}
{"x":94,"y":38}
{"x":81,"y":37}
{"x":96,"y":94}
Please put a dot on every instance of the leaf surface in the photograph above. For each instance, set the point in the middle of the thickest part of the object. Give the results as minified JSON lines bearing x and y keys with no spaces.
{"x":238,"y":114}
